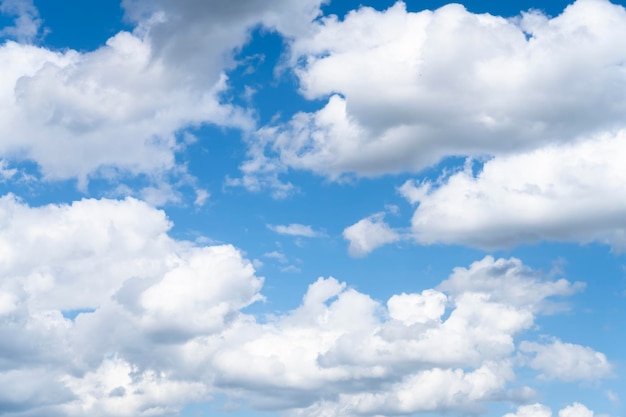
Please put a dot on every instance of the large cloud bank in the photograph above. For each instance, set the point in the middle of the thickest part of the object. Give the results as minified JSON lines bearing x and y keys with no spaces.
{"x":98,"y":301}
{"x":409,"y":88}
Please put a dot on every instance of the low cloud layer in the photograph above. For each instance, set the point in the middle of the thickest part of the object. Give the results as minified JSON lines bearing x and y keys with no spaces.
{"x":140,"y":321}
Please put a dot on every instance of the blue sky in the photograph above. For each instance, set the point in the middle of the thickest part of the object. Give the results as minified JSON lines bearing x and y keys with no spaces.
{"x":306,"y":208}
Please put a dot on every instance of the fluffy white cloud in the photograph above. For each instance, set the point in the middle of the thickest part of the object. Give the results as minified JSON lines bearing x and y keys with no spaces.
{"x":117,"y":388}
{"x":119,"y":108}
{"x":116,"y":108}
{"x":567,"y":193}
{"x":566,"y":361}
{"x":134,"y":292}
{"x":421,"y":86}
{"x":294,"y":229}
{"x":533,"y":410}
{"x":368,"y":234}
{"x":435,"y":390}
{"x":417,"y":308}
{"x":512,"y":283}
{"x":91,"y":246}
{"x":540,"y":410}
{"x":343,"y":353}
{"x":576,"y":410}
{"x":129,"y":320}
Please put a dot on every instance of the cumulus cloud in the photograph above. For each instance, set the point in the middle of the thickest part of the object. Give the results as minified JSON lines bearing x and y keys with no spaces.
{"x":540,"y":410}
{"x":513,"y":283}
{"x":294,"y":229}
{"x":417,"y":308}
{"x":117,"y":388}
{"x":106,"y":292}
{"x":567,"y":192}
{"x":425,"y":85}
{"x":119,"y":109}
{"x":564,"y":193}
{"x":576,"y":410}
{"x":129,"y":319}
{"x":566,"y":361}
{"x":455,"y":343}
{"x":533,"y":410}
{"x":368,"y":234}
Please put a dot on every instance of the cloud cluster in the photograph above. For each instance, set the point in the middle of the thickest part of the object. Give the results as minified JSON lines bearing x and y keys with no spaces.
{"x":115,"y":109}
{"x":564,"y":192}
{"x":343,"y":353}
{"x":129,"y":321}
{"x":93,"y":297}
{"x":410,"y":88}
{"x":120,"y":109}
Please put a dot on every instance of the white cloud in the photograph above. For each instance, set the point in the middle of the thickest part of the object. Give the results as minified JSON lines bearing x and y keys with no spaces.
{"x":532,"y":410}
{"x":142,"y":292}
{"x":576,"y":410}
{"x":294,"y":229}
{"x":510,"y":282}
{"x":119,"y":109}
{"x":199,"y":294}
{"x":565,"y":193}
{"x":417,"y":308}
{"x":179,"y":334}
{"x":427,"y":85}
{"x":290,"y":269}
{"x":116,"y":108}
{"x":93,"y":245}
{"x":118,"y":388}
{"x":6,"y":173}
{"x":201,"y":197}
{"x":26,"y":23}
{"x":566,"y":361}
{"x":368,"y":234}
{"x":540,"y":410}
{"x":435,"y":390}
{"x":308,"y":361}
{"x":279,"y":256}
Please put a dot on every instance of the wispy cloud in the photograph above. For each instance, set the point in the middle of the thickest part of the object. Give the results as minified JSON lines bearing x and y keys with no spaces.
{"x":295,"y":229}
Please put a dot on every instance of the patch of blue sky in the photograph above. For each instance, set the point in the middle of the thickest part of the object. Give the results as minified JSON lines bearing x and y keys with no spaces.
{"x":73,"y":314}
{"x":92,"y":23}
{"x":5,"y":21}
{"x":222,"y":407}
{"x":505,"y":9}
{"x":262,"y":82}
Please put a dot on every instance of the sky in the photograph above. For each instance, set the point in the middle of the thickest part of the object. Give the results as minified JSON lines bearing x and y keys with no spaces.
{"x":310,"y":208}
